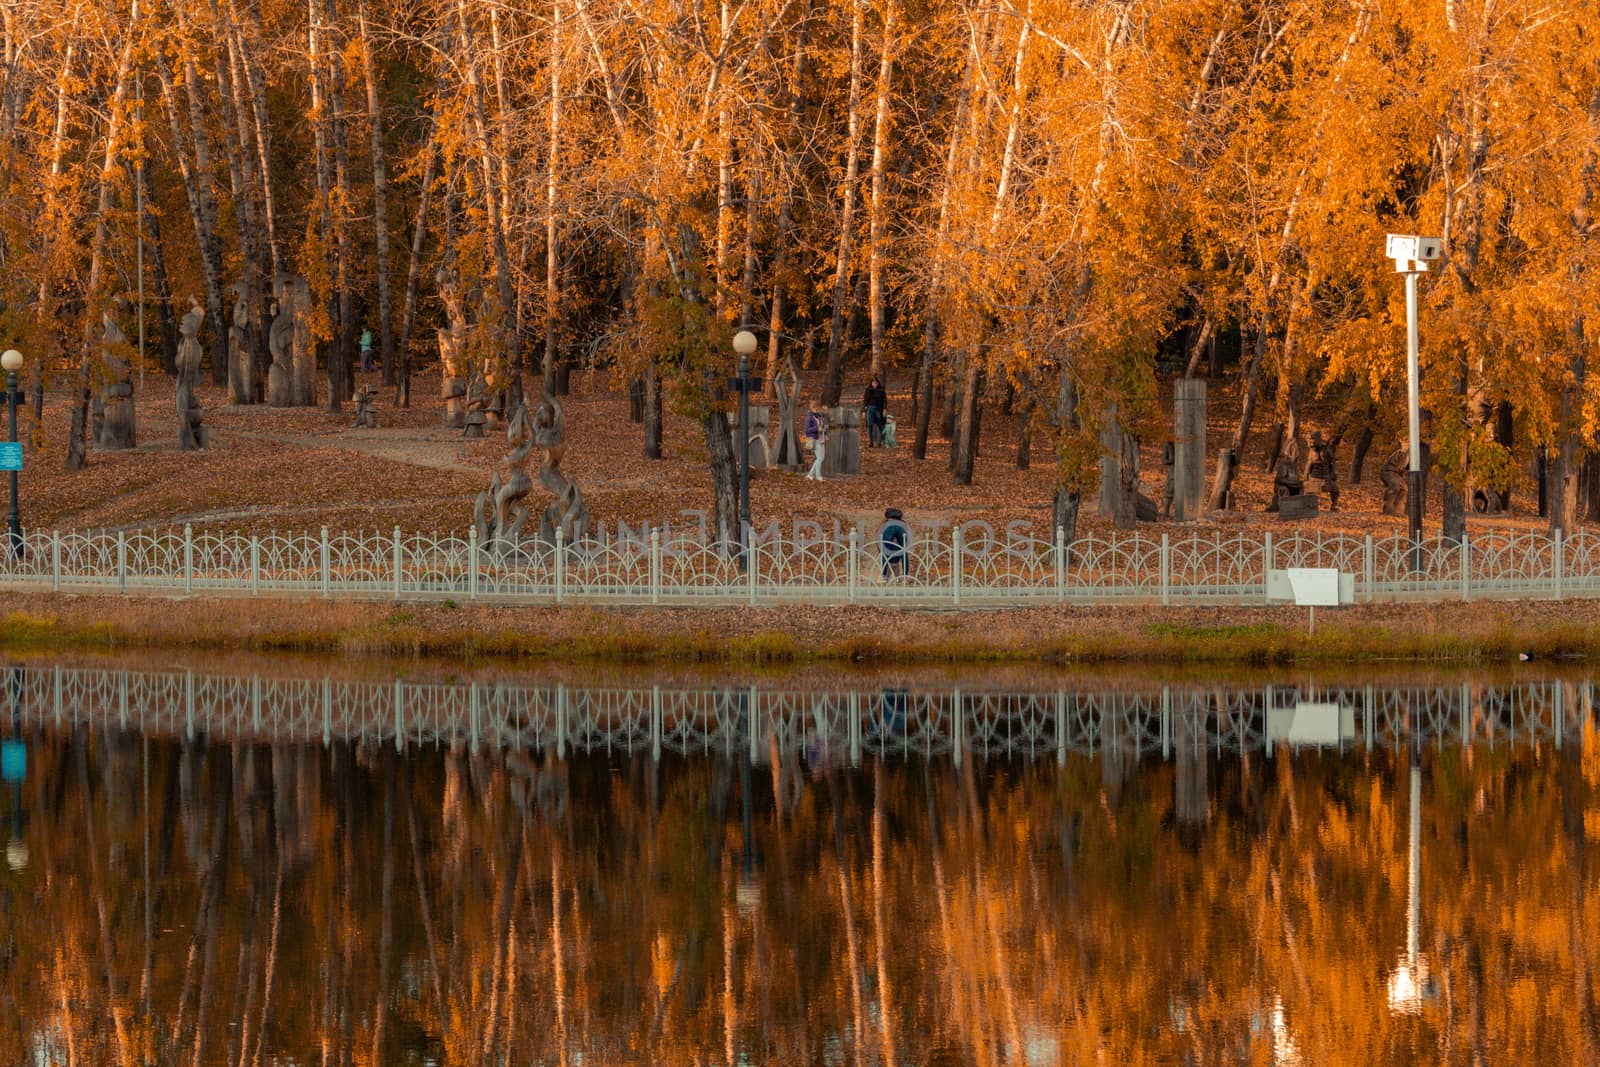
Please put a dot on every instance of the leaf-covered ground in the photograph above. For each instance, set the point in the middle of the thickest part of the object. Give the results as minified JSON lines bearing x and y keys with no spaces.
{"x":302,"y":468}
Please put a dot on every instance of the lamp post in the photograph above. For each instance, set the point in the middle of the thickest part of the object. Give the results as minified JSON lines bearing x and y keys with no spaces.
{"x":744,"y":343}
{"x":1411,"y":257}
{"x":11,"y":361}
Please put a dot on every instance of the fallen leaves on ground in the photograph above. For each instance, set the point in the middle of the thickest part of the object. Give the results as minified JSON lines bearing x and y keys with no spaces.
{"x":302,"y":468}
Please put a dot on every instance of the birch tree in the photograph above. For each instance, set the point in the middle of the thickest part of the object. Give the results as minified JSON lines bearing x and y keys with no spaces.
{"x":95,"y":296}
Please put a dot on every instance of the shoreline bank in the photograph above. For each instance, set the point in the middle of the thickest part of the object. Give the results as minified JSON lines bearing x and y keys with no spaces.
{"x":1476,"y":633}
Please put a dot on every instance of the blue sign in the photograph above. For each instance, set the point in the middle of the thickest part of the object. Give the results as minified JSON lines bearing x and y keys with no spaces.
{"x":13,"y":760}
{"x":10,"y":455}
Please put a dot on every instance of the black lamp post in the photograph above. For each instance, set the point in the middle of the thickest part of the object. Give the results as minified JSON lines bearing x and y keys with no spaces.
{"x":744,"y":343}
{"x":11,"y":361}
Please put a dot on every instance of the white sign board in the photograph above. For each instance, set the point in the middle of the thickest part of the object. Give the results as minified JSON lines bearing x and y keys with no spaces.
{"x":1315,"y":586}
{"x":1312,"y":586}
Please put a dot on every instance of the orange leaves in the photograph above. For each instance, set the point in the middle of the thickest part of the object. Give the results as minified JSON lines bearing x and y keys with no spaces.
{"x":1057,"y":189}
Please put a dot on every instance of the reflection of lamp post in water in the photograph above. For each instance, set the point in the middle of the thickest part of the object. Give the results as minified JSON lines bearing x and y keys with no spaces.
{"x":748,"y":892}
{"x":1411,"y":984}
{"x":13,"y":768}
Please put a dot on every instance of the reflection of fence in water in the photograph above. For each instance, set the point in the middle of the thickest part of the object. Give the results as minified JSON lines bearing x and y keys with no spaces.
{"x":839,"y":724}
{"x":1221,"y":566}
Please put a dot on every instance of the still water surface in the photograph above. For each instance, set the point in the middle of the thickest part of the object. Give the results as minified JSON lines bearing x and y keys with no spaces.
{"x":279,"y":869}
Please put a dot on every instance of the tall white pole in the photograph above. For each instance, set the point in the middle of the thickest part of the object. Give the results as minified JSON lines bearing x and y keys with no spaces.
{"x":1413,"y":421}
{"x":138,"y":196}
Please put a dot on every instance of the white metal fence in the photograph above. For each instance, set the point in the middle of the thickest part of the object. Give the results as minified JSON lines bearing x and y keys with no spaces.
{"x":1214,"y":567}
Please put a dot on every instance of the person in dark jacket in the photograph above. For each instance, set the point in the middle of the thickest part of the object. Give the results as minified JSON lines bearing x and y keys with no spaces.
{"x":875,"y":404}
{"x":892,"y":543}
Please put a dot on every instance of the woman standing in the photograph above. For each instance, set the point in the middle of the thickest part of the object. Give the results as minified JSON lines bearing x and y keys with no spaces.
{"x":817,"y":438}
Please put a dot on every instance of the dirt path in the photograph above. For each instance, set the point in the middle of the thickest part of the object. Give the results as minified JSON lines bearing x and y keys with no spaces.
{"x":435,"y":450}
{"x":198,"y":518}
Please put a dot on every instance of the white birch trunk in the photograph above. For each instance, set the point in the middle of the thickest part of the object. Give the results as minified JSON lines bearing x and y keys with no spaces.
{"x":303,"y":388}
{"x":380,"y":203}
{"x":419,"y":237}
{"x":77,"y":440}
{"x":552,"y":248}
{"x":478,"y":112}
{"x":342,"y":360}
{"x":880,"y":152}
{"x":838,"y":321}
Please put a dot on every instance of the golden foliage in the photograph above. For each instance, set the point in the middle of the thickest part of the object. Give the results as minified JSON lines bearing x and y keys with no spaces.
{"x":1070,"y":189}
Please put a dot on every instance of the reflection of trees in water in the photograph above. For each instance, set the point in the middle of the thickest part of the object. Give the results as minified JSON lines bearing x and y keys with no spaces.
{"x":1191,"y":800}
{"x":353,"y":905}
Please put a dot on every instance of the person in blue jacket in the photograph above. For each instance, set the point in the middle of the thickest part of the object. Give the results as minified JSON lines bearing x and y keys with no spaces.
{"x":892,"y":543}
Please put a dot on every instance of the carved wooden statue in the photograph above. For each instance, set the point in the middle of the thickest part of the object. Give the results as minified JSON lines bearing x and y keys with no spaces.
{"x":366,"y":408}
{"x":843,"y":456}
{"x":568,"y":513}
{"x":1119,"y":474}
{"x":1393,"y":476}
{"x":191,"y":433}
{"x":494,"y":394}
{"x":241,"y":355}
{"x":292,"y":381}
{"x":280,"y":343}
{"x":1324,"y":465}
{"x":1286,"y":482}
{"x":476,"y":406}
{"x":499,"y":512}
{"x":1169,"y":462}
{"x":783,"y":443}
{"x":452,"y":349}
{"x":116,"y":429}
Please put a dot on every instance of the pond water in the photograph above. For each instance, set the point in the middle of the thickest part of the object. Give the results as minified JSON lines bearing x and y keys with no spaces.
{"x":293,"y":865}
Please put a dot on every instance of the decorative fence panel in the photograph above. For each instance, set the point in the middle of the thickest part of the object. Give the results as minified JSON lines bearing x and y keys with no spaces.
{"x":1214,"y":568}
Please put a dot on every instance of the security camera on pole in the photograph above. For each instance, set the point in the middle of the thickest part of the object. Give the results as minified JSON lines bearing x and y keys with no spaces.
{"x":1411,"y":257}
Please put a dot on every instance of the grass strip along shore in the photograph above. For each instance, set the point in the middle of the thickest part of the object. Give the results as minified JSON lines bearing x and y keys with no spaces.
{"x":1418,"y":633}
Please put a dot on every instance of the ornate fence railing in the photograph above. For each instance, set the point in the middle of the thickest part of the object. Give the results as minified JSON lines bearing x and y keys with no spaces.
{"x":1215,"y":567}
{"x":818,"y":724}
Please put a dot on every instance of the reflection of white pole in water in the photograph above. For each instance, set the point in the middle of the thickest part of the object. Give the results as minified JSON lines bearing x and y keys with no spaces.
{"x":1415,"y":875}
{"x":1285,"y":1052}
{"x":1411,"y":984}
{"x":149,"y":918}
